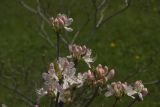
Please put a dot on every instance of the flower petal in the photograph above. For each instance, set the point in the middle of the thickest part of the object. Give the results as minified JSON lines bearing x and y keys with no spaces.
{"x":68,"y":29}
{"x":108,"y":94}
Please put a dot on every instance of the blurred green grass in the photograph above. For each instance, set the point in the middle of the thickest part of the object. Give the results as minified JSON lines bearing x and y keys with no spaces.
{"x":127,"y":42}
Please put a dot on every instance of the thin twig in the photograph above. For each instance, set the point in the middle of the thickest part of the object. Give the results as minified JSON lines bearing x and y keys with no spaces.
{"x":114,"y":104}
{"x":102,"y":5}
{"x":139,"y":70}
{"x":58,"y":54}
{"x":36,"y":11}
{"x":128,"y":4}
{"x":52,"y":99}
{"x":131,"y":104}
{"x":45,"y":35}
{"x":41,"y":14}
{"x":63,"y":40}
{"x":152,"y":82}
{"x":92,"y":98}
{"x":58,"y":45}
{"x":27,"y":7}
{"x":22,"y":96}
{"x":80,"y":29}
{"x":95,"y":13}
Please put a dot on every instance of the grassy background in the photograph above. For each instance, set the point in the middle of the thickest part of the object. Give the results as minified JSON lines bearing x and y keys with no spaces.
{"x":24,"y":55}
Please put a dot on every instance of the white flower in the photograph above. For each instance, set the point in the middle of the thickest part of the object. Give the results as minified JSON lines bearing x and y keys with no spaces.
{"x":3,"y":105}
{"x":67,"y":67}
{"x":50,"y":82}
{"x":61,"y":77}
{"x":41,"y":92}
{"x":87,"y":57}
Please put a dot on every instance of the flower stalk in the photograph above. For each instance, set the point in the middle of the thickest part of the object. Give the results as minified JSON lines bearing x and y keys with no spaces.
{"x":114,"y":105}
{"x":58,"y":54}
{"x":131,"y":104}
{"x":58,"y":45}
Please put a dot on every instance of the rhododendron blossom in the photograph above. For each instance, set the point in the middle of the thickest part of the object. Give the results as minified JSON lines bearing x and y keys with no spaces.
{"x":81,"y":52}
{"x":104,"y":72}
{"x":61,"y":22}
{"x":64,"y":71}
{"x":137,"y":90}
{"x":116,"y":88}
{"x":63,"y":75}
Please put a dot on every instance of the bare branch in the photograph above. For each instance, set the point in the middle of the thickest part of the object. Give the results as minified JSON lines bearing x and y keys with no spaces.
{"x":45,"y":36}
{"x":101,"y":17}
{"x":139,"y":69}
{"x":63,"y":40}
{"x":152,"y":82}
{"x":37,"y":11}
{"x":92,"y":98}
{"x":95,"y":13}
{"x":131,"y":75}
{"x":22,"y":96}
{"x":128,"y":4}
{"x":27,"y":7}
{"x":80,"y":29}
{"x":102,"y":5}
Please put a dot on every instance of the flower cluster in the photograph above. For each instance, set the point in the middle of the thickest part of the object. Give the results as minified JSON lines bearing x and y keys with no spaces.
{"x":81,"y":52}
{"x":61,"y":22}
{"x":118,"y":89}
{"x":62,"y":76}
{"x":137,"y":90}
{"x":98,"y":77}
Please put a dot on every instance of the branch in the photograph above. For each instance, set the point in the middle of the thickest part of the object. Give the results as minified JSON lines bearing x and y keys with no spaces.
{"x":132,"y":74}
{"x":45,"y":36}
{"x":114,"y":104}
{"x":131,"y":104}
{"x":76,"y":97}
{"x":37,"y":11}
{"x":128,"y":4}
{"x":152,"y":82}
{"x":102,"y":5}
{"x":27,"y":7}
{"x":22,"y":96}
{"x":92,"y":98}
{"x":80,"y":29}
{"x":95,"y":13}
{"x":63,"y":40}
{"x":139,"y":69}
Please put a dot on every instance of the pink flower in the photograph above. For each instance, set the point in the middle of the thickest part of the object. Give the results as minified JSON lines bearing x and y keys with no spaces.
{"x":137,"y":90}
{"x":104,"y":72}
{"x":62,"y":70}
{"x":116,"y":88}
{"x":89,"y":75}
{"x":77,"y":50}
{"x":81,"y":52}
{"x":61,"y":22}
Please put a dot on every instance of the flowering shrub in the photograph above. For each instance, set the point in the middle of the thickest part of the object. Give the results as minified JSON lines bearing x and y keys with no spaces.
{"x":62,"y":78}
